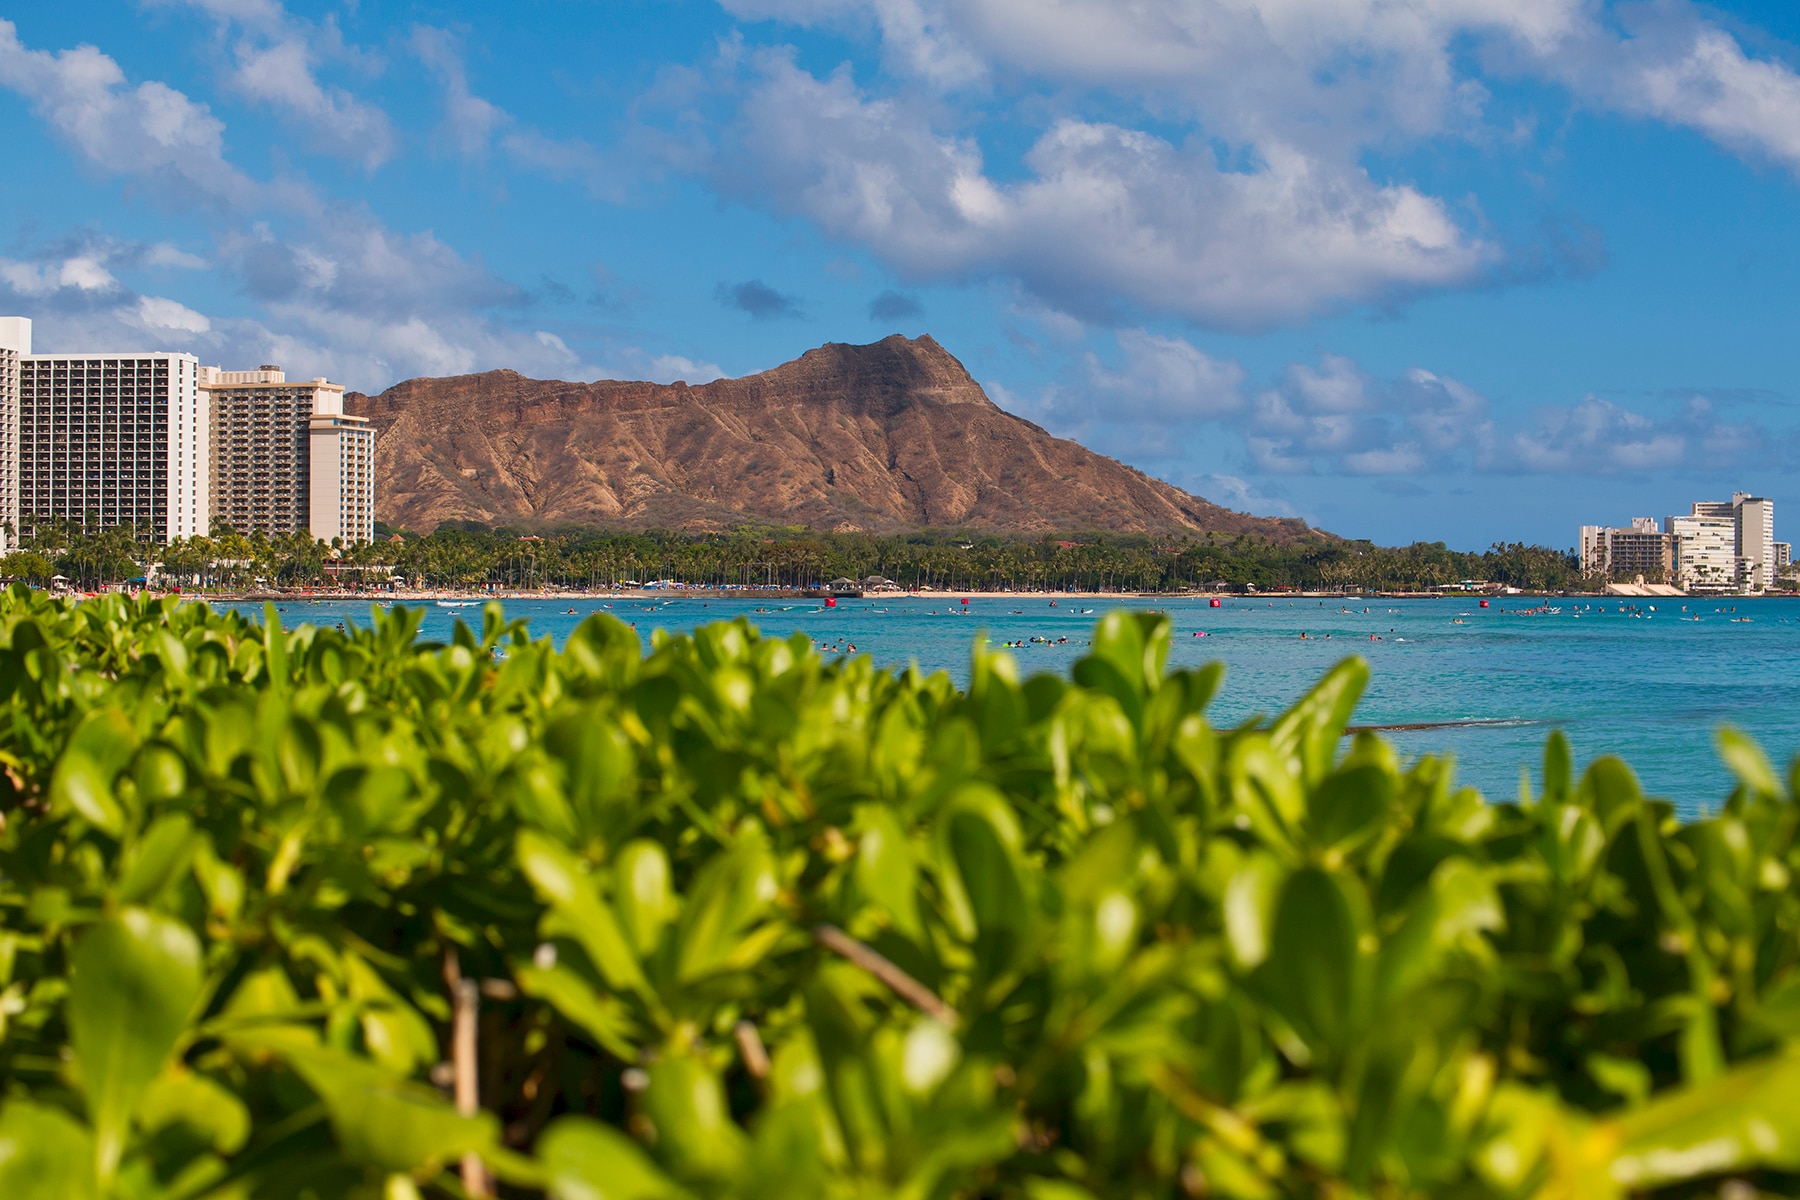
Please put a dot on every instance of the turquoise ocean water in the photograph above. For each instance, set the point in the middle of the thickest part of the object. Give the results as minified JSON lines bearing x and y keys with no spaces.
{"x":1615,"y":676}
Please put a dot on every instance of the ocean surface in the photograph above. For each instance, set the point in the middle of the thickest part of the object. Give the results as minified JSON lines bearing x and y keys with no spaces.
{"x":1648,"y":680}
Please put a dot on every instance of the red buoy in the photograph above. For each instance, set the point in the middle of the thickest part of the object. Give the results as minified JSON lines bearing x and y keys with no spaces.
{"x":1215,"y":602}
{"x":831,"y":602}
{"x":1484,"y":604}
{"x":965,"y":599}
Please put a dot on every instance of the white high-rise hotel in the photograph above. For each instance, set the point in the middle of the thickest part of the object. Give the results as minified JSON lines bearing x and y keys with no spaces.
{"x":158,"y":443}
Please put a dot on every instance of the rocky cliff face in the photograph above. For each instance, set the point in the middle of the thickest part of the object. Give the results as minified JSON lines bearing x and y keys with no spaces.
{"x":883,"y":438}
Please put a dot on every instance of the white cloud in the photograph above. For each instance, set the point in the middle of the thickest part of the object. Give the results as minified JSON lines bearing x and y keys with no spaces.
{"x":1260,"y":208}
{"x":667,"y":368}
{"x":277,"y":57}
{"x":150,"y":131}
{"x":1161,"y":399}
{"x":473,"y":126}
{"x":280,"y":74}
{"x":167,"y":254}
{"x":160,"y":313}
{"x":1107,"y":215}
{"x":470,"y":122}
{"x":335,"y":291}
{"x":78,"y":273}
{"x":1686,"y":72}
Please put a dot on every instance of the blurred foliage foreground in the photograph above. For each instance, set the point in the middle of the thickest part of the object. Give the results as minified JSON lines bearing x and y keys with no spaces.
{"x":315,"y":914}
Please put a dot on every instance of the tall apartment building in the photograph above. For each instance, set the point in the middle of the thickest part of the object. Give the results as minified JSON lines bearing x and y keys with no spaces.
{"x":1627,"y":554}
{"x":15,"y":344}
{"x":262,"y":450}
{"x":1756,"y":540}
{"x":342,"y":450}
{"x":1754,"y":521}
{"x":114,"y":439}
{"x":1706,"y":558}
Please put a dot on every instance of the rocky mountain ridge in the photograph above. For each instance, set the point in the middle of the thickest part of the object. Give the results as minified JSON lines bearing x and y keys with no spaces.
{"x":887,"y":437}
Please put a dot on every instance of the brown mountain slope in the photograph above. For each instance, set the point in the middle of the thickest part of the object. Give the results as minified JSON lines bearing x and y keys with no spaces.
{"x":886,"y":437}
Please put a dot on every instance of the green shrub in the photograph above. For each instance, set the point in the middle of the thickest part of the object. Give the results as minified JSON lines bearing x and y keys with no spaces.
{"x":745,"y":922}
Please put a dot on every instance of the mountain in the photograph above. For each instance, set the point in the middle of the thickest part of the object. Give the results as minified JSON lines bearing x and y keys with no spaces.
{"x":888,"y":437}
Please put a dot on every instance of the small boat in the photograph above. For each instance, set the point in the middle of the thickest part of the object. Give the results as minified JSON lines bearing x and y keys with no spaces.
{"x":457,"y":603}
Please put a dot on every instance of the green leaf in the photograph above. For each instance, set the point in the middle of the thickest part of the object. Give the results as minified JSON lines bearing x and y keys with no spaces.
{"x":1746,"y":1118}
{"x":887,"y":870}
{"x":1249,"y":907}
{"x":586,"y":1160}
{"x":558,"y":879}
{"x":1348,"y":807}
{"x":380,"y":1120}
{"x":604,"y":1018}
{"x":1315,"y":974}
{"x":695,"y":1135}
{"x":1745,"y":759}
{"x":83,"y":781}
{"x":157,"y":859}
{"x":642,"y":897}
{"x":731,"y":895}
{"x":44,"y":1155}
{"x":135,"y":981}
{"x":1307,"y":734}
{"x":1559,"y":767}
{"x":988,"y":895}
{"x":181,"y":1097}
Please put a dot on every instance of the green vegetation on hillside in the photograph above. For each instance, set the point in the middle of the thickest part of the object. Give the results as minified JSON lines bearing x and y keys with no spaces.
{"x":472,"y":558}
{"x":733,"y":920}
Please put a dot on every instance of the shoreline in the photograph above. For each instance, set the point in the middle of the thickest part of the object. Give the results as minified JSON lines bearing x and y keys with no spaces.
{"x":1049,"y":599}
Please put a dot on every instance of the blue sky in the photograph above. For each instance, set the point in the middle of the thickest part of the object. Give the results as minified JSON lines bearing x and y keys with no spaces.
{"x":1459,"y":270}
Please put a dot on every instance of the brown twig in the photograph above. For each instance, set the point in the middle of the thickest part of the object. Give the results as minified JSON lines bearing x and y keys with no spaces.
{"x":898,"y":981}
{"x":751,"y":1050}
{"x":466,"y":997}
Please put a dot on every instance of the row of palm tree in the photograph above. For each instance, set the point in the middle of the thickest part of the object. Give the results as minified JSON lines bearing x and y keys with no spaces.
{"x":465,"y":558}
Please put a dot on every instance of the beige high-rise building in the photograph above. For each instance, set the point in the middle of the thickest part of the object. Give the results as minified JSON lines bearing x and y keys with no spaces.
{"x":15,"y":344}
{"x":1756,"y":541}
{"x":262,"y":447}
{"x":342,"y":478}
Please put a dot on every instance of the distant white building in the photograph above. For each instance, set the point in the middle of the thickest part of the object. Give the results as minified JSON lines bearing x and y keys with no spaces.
{"x":15,"y":344}
{"x":107,"y":438}
{"x":1719,"y":546}
{"x":1706,"y":558}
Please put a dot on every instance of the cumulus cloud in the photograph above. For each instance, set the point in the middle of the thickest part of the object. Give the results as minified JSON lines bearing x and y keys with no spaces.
{"x":150,"y":131}
{"x":1598,"y":436}
{"x":280,"y":74}
{"x":276,"y":59}
{"x":1157,"y":397}
{"x":1106,"y":215}
{"x":757,"y":299}
{"x":1254,"y":204}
